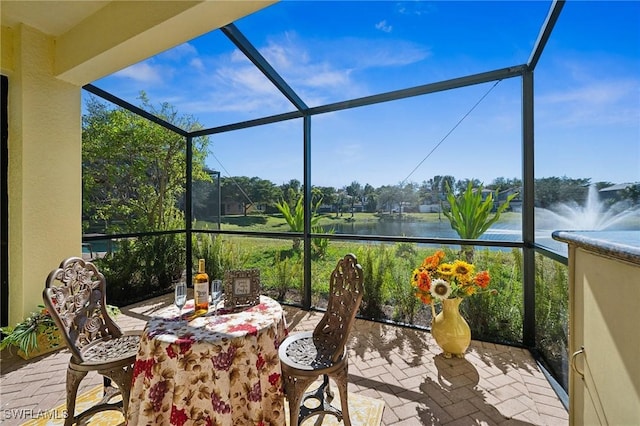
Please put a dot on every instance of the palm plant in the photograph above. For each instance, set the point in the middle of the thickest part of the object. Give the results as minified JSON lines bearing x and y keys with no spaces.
{"x":470,"y":215}
{"x":295,"y":218}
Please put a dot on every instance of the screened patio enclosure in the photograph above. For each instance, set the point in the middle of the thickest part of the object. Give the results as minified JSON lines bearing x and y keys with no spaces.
{"x":398,"y":116}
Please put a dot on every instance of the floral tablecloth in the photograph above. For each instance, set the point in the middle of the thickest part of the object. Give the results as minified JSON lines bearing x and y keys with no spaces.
{"x":211,"y":370}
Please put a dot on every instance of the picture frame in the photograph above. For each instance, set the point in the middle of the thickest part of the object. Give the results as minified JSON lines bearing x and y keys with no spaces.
{"x":241,"y":288}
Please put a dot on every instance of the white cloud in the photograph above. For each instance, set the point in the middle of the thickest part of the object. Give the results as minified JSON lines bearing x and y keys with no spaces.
{"x":597,"y":102}
{"x":178,"y":53}
{"x":142,"y":72}
{"x":383,"y":26}
{"x":197,"y":64}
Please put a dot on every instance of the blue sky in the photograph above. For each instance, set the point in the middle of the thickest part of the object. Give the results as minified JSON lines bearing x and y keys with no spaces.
{"x":587,"y":88}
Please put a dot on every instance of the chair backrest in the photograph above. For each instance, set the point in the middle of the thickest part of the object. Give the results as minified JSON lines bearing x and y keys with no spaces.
{"x":345,"y":295}
{"x":75,"y":295}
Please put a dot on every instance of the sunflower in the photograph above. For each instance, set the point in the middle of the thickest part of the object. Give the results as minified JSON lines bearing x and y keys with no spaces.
{"x":440,"y":289}
{"x":436,"y":281}
{"x":469,"y":290}
{"x":445,"y":269}
{"x":463,"y":271}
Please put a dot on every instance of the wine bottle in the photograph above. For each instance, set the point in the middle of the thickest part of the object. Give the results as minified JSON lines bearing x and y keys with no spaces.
{"x":201,"y":290}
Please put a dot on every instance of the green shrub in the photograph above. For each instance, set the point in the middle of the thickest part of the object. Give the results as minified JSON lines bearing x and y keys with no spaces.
{"x":142,"y":267}
{"x":285,"y":274}
{"x":319,"y":246}
{"x":403,"y":295}
{"x":219,"y":255}
{"x":498,"y":317}
{"x":376,"y":261}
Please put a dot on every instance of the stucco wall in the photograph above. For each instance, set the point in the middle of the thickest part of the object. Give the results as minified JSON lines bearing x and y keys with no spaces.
{"x":45,"y":181}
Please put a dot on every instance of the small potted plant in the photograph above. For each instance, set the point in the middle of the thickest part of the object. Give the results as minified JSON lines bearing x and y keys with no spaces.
{"x":34,"y":336}
{"x":37,"y":334}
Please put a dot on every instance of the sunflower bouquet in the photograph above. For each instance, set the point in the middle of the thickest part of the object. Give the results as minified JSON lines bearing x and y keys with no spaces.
{"x":436,"y":280}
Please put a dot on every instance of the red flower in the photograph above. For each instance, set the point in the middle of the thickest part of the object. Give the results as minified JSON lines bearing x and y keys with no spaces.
{"x":274,"y":379}
{"x":143,"y":366}
{"x":482,"y":279}
{"x":260,"y":362}
{"x":250,"y":329}
{"x":185,"y":345}
{"x":259,"y":307}
{"x":178,"y":417}
{"x":171,"y":353}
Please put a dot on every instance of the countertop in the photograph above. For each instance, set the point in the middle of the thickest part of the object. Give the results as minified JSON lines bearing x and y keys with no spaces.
{"x":623,"y":245}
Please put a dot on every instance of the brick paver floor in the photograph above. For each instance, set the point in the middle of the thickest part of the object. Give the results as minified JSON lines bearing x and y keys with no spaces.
{"x":492,"y":385}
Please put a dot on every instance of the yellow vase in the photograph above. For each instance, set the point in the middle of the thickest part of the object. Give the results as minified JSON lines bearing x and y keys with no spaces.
{"x":449,"y":328}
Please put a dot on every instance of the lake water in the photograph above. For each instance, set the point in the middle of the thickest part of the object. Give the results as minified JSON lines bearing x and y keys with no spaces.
{"x":505,"y":231}
{"x":442,"y":229}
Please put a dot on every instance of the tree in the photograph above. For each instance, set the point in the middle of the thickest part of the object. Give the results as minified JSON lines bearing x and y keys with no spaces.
{"x":354,"y":190}
{"x":327,"y":194}
{"x":291,"y":191}
{"x":388,"y":197}
{"x":632,"y":193}
{"x":553,"y":190}
{"x":462,"y":184}
{"x":370,"y":198}
{"x":248,"y":191}
{"x":134,"y":169}
{"x":501,"y":184}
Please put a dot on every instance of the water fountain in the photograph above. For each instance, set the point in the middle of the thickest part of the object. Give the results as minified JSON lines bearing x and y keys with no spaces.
{"x":594,"y":215}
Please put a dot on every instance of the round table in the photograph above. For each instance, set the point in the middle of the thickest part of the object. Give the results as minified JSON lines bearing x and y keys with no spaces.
{"x":210,"y":370}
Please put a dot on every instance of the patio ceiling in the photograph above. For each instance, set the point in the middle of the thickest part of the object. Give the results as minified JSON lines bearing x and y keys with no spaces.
{"x":112,"y":35}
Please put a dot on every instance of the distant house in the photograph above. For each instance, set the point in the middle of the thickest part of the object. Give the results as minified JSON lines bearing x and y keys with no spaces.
{"x":614,"y":192}
{"x":516,"y":204}
{"x":429,"y":208}
{"x":236,"y":208}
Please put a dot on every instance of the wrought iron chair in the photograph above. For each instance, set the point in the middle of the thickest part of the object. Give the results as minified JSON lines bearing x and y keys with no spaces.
{"x":75,"y":295}
{"x":306,"y":356}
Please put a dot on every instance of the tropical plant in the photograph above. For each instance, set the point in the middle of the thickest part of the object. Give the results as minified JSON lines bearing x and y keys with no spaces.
{"x":402,"y":294}
{"x":295,"y":218}
{"x":24,"y":335}
{"x":470,"y":216}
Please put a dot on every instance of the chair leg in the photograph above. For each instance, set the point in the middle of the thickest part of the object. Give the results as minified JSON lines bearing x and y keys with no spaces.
{"x":74,"y":377}
{"x":294,"y":388}
{"x":341,"y":377}
{"x":122,"y":378}
{"x":327,"y":387}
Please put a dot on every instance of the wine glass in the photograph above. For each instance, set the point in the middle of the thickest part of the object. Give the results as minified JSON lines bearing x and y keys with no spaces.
{"x":181,"y":295}
{"x":216,"y":294}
